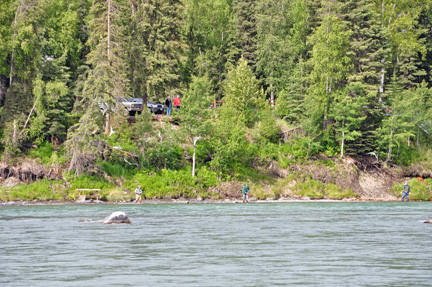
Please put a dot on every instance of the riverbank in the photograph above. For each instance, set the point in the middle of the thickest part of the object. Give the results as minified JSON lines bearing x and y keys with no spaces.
{"x":185,"y":201}
{"x":317,"y":180}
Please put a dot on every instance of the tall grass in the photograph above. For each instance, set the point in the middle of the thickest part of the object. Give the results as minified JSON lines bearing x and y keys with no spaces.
{"x":40,"y":190}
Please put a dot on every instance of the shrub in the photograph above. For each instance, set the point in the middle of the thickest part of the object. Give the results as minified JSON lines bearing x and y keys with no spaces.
{"x":207,"y":177}
{"x":334,"y":192}
{"x":41,"y":190}
{"x":164,"y":184}
{"x":312,"y":188}
{"x":117,"y":169}
{"x":44,"y":152}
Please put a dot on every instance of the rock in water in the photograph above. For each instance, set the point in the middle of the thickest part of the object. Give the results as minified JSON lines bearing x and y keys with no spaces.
{"x":428,"y":221}
{"x":116,"y":217}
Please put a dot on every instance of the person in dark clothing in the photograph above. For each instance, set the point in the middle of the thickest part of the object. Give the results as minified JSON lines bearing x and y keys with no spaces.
{"x":168,"y":106}
{"x":406,"y":191}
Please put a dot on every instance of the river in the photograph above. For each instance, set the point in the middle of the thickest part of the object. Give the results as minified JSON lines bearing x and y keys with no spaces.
{"x":269,"y":244}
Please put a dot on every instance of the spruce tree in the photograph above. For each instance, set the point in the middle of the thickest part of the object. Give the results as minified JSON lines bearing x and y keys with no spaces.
{"x":348,"y":114}
{"x":107,"y":82}
{"x":245,"y":19}
{"x":329,"y":62}
{"x":398,"y":125}
{"x":368,"y":48}
{"x":157,"y":49}
{"x":211,"y":38}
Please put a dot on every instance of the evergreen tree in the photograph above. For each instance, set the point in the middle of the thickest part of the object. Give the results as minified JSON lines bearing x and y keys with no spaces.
{"x":348,"y":114}
{"x":106,"y":83}
{"x":157,"y":49}
{"x":245,"y":18}
{"x":211,"y":37}
{"x":243,"y":96}
{"x":330,"y":64}
{"x":398,"y":125}
{"x":52,"y":103}
{"x":368,"y":48}
{"x":406,"y":40}
{"x":24,"y":59}
{"x":276,"y":52}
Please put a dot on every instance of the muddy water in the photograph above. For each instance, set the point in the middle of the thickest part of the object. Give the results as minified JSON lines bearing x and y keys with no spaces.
{"x":305,"y":244}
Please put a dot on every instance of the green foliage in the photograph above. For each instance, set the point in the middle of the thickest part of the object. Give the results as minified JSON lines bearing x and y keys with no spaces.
{"x":268,"y":128}
{"x":242,"y":94}
{"x":348,"y":113}
{"x":163,"y":156}
{"x":118,"y":169}
{"x":332,"y":191}
{"x":327,"y":65}
{"x":317,"y":190}
{"x":207,"y":177}
{"x":164,"y":184}
{"x":195,"y":113}
{"x":155,"y":48}
{"x":39,"y":190}
{"x":44,"y":152}
{"x":313,"y":189}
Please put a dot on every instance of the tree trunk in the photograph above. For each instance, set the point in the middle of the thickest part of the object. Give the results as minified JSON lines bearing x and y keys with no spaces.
{"x":144,"y":98}
{"x":14,"y":135}
{"x":390,"y":149}
{"x":13,"y":44}
{"x":3,"y":89}
{"x":271,"y":94}
{"x":343,"y":141}
{"x":193,"y":163}
{"x":109,"y":31}
{"x":107,"y":121}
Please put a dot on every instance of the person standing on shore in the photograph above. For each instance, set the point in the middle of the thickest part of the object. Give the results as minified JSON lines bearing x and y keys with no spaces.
{"x":168,"y":104}
{"x":245,"y":192}
{"x":177,"y":103}
{"x":138,"y":192}
{"x":406,"y":191}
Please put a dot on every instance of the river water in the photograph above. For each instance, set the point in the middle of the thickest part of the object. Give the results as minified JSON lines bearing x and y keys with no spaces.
{"x":270,"y":244}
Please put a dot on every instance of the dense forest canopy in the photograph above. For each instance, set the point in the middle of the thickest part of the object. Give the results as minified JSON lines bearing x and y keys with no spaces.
{"x":354,"y":76}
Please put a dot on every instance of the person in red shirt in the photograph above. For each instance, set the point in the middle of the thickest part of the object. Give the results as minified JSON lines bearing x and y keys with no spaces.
{"x":177,"y":102}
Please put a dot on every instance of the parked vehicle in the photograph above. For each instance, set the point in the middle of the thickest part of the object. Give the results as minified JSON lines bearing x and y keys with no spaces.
{"x":135,"y":105}
{"x":132,"y":105}
{"x":155,"y":108}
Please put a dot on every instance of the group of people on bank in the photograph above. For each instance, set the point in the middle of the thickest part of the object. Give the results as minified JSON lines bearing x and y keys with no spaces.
{"x":245,"y":193}
{"x":139,"y":192}
{"x":168,"y":104}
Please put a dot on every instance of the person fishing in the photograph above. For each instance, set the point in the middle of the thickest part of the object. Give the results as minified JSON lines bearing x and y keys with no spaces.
{"x":245,"y":192}
{"x":138,"y":192}
{"x":406,"y":191}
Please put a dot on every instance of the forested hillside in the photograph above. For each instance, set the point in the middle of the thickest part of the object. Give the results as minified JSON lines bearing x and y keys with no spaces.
{"x":294,"y":80}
